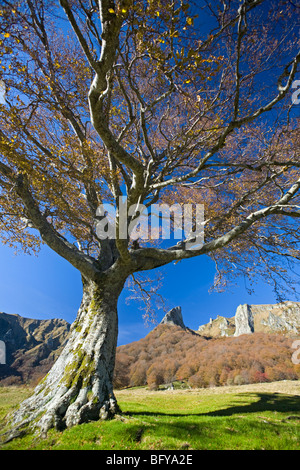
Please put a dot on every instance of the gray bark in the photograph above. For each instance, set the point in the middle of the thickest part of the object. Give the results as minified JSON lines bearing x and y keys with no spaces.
{"x":79,"y":387}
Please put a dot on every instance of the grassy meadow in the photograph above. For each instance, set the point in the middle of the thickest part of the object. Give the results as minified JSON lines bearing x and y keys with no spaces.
{"x":247,"y":417}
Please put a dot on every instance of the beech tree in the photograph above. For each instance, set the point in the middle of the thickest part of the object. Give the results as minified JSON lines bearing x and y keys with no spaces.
{"x":159,"y":101}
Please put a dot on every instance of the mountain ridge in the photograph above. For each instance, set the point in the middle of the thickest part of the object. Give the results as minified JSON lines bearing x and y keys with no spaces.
{"x":282,"y":318}
{"x":32,"y":346}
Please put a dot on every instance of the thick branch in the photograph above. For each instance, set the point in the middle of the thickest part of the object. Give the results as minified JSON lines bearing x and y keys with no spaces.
{"x":111,"y":25}
{"x":81,"y":39}
{"x":149,"y":258}
{"x":84,"y":263}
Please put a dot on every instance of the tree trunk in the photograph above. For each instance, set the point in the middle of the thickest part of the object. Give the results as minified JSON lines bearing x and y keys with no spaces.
{"x":79,"y":387}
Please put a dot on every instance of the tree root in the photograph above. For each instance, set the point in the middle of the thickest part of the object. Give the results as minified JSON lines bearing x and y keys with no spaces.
{"x":60,"y":412}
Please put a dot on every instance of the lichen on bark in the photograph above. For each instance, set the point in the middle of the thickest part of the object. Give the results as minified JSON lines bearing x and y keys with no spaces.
{"x":79,"y":387}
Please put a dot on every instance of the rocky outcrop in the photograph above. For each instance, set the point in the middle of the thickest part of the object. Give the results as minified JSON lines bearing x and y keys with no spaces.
{"x":174,"y":317}
{"x":31,"y":346}
{"x":221,"y":326}
{"x":282,"y":318}
{"x":244,"y":323}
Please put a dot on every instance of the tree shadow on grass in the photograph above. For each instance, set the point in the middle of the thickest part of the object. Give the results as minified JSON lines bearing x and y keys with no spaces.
{"x":261,"y":402}
{"x":265,"y":402}
{"x":188,"y":428}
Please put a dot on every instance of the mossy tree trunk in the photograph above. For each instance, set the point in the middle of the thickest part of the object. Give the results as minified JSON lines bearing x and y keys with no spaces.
{"x":79,"y":386}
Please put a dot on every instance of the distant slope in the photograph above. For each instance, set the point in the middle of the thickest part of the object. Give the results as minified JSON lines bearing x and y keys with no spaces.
{"x":31,"y":347}
{"x":170,"y":353}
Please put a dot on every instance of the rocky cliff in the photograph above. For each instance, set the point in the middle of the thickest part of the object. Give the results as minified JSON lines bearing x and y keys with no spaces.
{"x":278,"y":318}
{"x":173,"y":317}
{"x":31,"y":346}
{"x":282,"y":318}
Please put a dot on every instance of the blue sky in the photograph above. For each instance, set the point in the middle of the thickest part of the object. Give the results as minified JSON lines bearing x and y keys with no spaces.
{"x":46,"y":286}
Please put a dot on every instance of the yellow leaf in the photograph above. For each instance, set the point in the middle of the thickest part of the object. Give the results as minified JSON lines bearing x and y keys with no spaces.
{"x":189,"y":20}
{"x":6,"y":35}
{"x":157,"y":13}
{"x":188,"y":81}
{"x":111,"y":10}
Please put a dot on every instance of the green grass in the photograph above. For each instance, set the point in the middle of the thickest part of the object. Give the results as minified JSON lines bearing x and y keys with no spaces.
{"x":262,"y":416}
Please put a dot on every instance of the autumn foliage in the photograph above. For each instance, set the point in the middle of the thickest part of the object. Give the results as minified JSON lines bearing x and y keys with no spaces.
{"x":169,"y":354}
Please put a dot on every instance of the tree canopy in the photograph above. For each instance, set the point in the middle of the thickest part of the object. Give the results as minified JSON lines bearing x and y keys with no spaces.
{"x":158,"y":101}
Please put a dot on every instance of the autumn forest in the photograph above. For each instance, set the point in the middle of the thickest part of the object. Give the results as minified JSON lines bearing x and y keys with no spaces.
{"x":169,"y":353}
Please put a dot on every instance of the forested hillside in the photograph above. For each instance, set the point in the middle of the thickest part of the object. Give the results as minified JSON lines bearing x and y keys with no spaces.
{"x":171,"y":353}
{"x":168,"y":353}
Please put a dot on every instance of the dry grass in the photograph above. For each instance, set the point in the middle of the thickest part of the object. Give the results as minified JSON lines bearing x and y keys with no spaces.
{"x":287,"y":387}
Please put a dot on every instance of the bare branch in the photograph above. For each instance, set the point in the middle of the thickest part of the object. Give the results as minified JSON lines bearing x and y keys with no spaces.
{"x":81,"y":39}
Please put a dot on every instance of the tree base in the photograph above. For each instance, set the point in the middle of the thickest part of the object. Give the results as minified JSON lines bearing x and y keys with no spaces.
{"x":52,"y":418}
{"x":78,"y":388}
